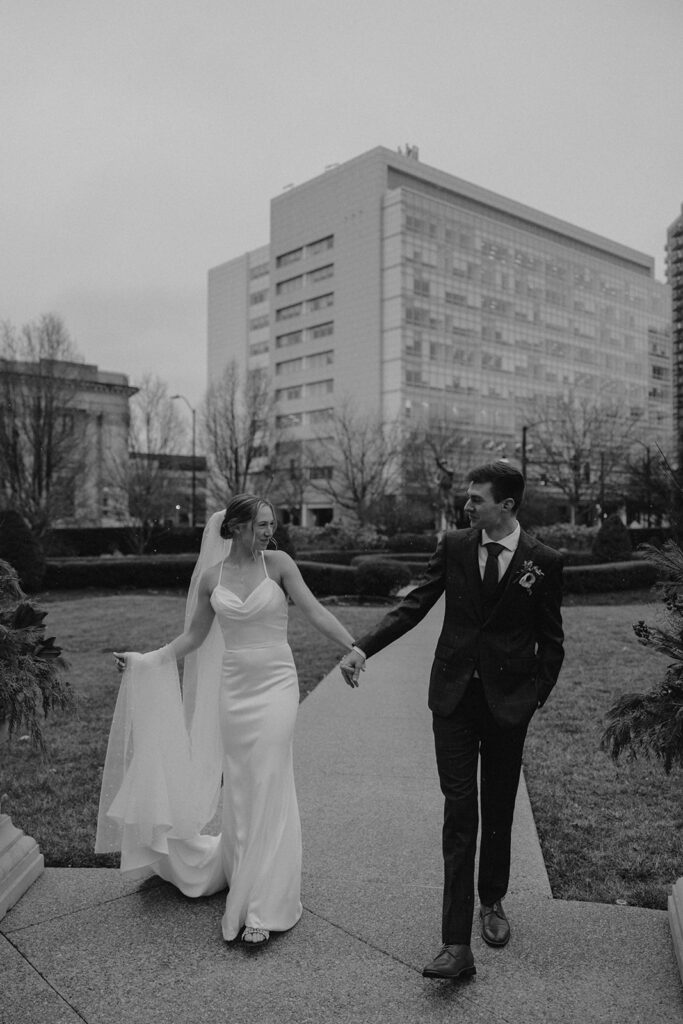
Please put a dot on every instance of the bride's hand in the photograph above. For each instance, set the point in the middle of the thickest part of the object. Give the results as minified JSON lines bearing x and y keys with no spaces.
{"x":120,"y":660}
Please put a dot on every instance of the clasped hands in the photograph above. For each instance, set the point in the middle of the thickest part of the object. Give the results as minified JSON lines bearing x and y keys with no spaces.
{"x":351,"y":665}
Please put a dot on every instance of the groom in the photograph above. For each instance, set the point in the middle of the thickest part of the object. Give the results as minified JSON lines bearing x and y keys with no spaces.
{"x":497,"y":659}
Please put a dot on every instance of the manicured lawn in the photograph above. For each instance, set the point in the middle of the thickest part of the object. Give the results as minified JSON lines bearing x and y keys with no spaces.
{"x":57,"y":802}
{"x":608,"y":832}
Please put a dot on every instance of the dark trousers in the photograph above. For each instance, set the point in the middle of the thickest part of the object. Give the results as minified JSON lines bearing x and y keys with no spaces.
{"x":460,"y":740}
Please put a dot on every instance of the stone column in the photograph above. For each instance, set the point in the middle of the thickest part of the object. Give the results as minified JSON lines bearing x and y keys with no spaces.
{"x":21,"y":862}
{"x":676,"y":921}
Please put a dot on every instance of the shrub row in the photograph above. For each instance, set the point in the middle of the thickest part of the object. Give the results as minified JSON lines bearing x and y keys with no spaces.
{"x":409,"y":542}
{"x":174,"y":571}
{"x":90,"y":541}
{"x":603,"y":579}
{"x":376,"y":577}
{"x":134,"y":572}
{"x":336,"y":557}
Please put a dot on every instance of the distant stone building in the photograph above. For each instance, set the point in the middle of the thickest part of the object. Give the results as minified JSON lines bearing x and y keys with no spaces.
{"x":94,"y":403}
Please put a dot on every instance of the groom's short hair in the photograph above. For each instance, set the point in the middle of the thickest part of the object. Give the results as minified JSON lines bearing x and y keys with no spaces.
{"x":505,"y":480}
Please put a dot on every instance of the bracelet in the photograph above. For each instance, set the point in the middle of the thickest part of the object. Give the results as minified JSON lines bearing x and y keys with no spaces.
{"x":358,"y":651}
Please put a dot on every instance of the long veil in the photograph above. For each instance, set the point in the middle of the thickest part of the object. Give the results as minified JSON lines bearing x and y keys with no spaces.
{"x":162,"y":773}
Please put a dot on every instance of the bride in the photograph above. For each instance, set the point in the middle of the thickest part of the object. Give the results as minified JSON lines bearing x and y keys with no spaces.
{"x":167,"y":755}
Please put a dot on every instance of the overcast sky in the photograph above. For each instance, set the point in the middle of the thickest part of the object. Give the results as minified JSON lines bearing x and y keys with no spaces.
{"x":142,"y":140}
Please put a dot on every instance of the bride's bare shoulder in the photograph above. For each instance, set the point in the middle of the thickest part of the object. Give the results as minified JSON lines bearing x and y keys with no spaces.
{"x":209,"y":578}
{"x":277,"y":560}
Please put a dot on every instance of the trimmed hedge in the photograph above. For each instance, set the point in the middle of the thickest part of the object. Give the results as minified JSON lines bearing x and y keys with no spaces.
{"x":324,"y":579}
{"x":171,"y":571}
{"x":603,"y":579}
{"x":407,"y":542}
{"x":337,"y":557}
{"x":381,"y":577}
{"x":133,"y":572}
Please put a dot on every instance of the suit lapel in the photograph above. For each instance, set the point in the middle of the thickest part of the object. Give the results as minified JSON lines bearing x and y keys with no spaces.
{"x":521,"y":555}
{"x":472,"y":573}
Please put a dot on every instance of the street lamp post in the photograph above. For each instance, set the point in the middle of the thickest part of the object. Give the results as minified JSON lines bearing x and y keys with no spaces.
{"x":647,"y":478}
{"x":525,"y":460}
{"x":194,"y":441}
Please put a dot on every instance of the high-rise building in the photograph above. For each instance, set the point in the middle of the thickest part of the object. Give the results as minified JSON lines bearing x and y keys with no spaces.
{"x":421,"y":296}
{"x":674,"y":273}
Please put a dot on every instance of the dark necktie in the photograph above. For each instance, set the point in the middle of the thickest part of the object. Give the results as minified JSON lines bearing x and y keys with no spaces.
{"x":490,"y":581}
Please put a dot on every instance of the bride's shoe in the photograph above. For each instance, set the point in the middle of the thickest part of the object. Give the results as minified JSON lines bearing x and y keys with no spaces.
{"x":255,"y":938}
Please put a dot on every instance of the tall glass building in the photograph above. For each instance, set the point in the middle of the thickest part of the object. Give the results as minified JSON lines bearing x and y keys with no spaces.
{"x":674,"y":273}
{"x":421,"y":296}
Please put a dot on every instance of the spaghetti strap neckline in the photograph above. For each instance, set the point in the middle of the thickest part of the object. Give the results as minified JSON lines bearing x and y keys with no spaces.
{"x":263,"y":560}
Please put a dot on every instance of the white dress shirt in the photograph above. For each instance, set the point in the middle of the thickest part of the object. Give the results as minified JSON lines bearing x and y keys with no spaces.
{"x":509,"y":544}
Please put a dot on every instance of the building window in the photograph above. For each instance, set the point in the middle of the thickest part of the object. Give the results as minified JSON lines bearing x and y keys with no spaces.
{"x":258,"y":322}
{"x":319,"y":388}
{"x":319,"y":359}
{"x":288,"y":366}
{"x":293,"y":256}
{"x":320,"y":473}
{"x":320,"y":302}
{"x":259,"y":270}
{"x":288,"y":419}
{"x":291,"y":284}
{"x":287,"y":312}
{"x":320,"y":331}
{"x":417,"y":315}
{"x":317,"y":416}
{"x":258,"y":347}
{"x":292,"y":338}
{"x":259,"y":296}
{"x":288,"y":394}
{"x":321,"y":245}
{"x":420,"y":286}
{"x":321,"y":274}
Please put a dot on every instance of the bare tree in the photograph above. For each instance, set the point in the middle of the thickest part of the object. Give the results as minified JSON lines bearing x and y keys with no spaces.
{"x":142,"y":477}
{"x":580,"y":445}
{"x":436,"y":455}
{"x":42,"y":430}
{"x":288,"y":489}
{"x":356,"y":463}
{"x":237,"y":428}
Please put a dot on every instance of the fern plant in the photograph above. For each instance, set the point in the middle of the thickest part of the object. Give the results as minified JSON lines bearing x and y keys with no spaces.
{"x":650,"y":724}
{"x":32,"y":679}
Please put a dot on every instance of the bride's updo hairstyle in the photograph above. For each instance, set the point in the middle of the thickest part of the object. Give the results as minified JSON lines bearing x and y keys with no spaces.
{"x":243,"y":508}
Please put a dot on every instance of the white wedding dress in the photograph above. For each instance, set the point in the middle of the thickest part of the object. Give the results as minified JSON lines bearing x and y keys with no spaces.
{"x":161,"y":779}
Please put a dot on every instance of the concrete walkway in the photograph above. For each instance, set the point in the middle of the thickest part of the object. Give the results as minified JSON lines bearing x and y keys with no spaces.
{"x":84,"y":945}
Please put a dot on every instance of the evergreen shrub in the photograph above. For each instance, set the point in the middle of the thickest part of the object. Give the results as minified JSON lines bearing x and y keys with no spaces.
{"x":326,"y":580}
{"x":613,"y":542}
{"x":20,"y":548}
{"x":381,"y":577}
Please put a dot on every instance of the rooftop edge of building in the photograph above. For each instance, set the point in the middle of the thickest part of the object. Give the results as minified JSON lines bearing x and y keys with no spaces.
{"x":409,"y":167}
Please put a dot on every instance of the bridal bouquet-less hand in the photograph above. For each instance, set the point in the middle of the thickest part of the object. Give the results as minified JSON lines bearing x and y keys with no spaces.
{"x":32,"y":681}
{"x":651,"y":723}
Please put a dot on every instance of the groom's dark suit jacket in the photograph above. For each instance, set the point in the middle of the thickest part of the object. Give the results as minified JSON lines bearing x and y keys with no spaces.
{"x":514,"y":642}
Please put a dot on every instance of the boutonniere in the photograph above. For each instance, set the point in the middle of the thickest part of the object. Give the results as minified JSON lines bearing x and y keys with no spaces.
{"x":527,"y":576}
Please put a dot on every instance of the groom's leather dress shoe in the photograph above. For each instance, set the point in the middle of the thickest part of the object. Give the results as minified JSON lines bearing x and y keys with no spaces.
{"x":451,"y":962}
{"x":495,"y":927}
